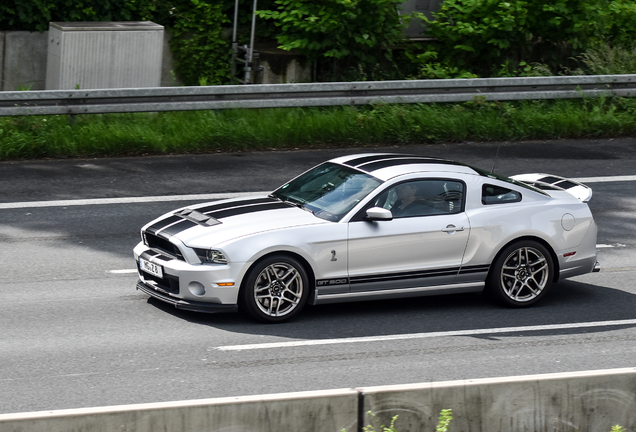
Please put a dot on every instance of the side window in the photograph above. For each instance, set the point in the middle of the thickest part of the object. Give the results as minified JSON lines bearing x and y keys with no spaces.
{"x":422,"y":198}
{"x":491,"y":194}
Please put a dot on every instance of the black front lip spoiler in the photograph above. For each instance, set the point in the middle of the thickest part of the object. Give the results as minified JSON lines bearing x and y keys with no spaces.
{"x":185,"y":304}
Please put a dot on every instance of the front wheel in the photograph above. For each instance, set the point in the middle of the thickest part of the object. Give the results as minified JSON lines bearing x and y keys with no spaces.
{"x":275,"y":289}
{"x":521,"y":274}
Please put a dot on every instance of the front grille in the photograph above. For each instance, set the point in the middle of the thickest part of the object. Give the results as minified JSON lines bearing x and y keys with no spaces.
{"x":168,"y":284}
{"x":155,"y":242}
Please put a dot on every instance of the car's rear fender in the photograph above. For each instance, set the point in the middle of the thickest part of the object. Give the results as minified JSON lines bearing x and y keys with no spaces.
{"x":553,"y":255}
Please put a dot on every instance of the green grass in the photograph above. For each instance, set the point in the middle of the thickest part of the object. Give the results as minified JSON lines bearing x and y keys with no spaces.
{"x":262,"y":129}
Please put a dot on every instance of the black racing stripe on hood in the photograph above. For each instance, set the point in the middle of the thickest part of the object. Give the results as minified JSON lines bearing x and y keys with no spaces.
{"x":227,"y":205}
{"x":220,"y":214}
{"x":374,"y":166}
{"x":178,"y":227}
{"x":158,"y":226}
{"x":175,"y":224}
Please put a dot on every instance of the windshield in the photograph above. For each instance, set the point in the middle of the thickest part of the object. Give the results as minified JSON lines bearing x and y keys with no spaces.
{"x":329,"y":190}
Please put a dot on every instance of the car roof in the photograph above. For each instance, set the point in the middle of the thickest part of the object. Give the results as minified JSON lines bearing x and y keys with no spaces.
{"x":388,"y":165}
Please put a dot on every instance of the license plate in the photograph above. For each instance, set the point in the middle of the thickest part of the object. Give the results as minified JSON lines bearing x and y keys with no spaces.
{"x":148,"y":267}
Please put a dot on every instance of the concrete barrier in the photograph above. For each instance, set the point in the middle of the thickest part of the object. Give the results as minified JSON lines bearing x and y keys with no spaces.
{"x":580,"y":401}
{"x":330,"y":410}
{"x":23,"y":60}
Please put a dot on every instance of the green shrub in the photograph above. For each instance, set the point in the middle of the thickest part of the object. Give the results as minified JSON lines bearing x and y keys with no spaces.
{"x":35,"y":15}
{"x":480,"y":35}
{"x":358,"y":33}
{"x":201,"y":49}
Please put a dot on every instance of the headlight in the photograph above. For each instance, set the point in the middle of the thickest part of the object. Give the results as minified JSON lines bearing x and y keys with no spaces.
{"x":211,"y":256}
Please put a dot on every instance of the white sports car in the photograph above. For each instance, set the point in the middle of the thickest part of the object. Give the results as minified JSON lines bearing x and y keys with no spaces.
{"x":371,"y":226}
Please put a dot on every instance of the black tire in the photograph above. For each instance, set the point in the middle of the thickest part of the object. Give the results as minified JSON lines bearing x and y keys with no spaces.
{"x":521,"y":274}
{"x":275,"y":289}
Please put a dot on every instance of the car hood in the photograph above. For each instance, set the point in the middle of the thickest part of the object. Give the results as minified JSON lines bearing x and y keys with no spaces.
{"x":212,"y":224}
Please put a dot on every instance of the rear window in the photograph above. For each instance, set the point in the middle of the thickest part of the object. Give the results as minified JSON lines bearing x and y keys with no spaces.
{"x":491,"y":194}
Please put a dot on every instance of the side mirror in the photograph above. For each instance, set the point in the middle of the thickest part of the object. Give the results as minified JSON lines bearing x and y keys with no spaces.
{"x":379,"y":214}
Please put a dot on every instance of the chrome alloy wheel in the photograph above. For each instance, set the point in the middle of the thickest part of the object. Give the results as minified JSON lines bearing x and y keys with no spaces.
{"x":278,"y":289}
{"x":525,"y":273}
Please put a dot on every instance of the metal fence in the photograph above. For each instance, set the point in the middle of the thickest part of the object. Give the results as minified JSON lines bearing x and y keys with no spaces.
{"x":51,"y":102}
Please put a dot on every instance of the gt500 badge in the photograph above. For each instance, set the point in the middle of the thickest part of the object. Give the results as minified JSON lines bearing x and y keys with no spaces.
{"x":324,"y":282}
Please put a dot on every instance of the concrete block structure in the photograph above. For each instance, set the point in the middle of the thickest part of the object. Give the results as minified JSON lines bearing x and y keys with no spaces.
{"x":99,"y":55}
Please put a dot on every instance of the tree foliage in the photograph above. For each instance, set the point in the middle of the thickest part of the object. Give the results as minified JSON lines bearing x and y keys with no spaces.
{"x":482,"y":35}
{"x":362,"y":30}
{"x":35,"y":15}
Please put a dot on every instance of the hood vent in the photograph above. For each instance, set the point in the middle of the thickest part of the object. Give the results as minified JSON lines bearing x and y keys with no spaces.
{"x":197,"y":217}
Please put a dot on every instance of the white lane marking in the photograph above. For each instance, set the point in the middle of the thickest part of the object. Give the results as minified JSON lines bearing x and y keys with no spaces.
{"x":604,"y":246}
{"x":128,"y":200}
{"x":424,"y":335}
{"x":605,"y":179}
{"x":122,"y":271}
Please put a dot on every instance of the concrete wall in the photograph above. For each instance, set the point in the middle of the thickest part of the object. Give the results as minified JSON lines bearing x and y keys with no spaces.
{"x":22,"y":60}
{"x":581,"y":401}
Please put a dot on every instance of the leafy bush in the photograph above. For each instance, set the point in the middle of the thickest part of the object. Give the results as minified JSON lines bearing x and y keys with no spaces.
{"x":607,"y":60}
{"x":482,"y":35}
{"x":35,"y":15}
{"x":200,"y":47}
{"x":620,"y":23}
{"x":358,"y":32}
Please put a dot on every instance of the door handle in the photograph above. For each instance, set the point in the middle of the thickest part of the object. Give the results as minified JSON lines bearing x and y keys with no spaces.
{"x":452,"y":229}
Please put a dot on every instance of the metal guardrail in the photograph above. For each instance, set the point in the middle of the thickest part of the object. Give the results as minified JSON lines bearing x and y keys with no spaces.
{"x":51,"y":102}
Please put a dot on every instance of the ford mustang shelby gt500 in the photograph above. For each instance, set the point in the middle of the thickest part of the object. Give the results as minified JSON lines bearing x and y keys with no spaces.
{"x":371,"y":226}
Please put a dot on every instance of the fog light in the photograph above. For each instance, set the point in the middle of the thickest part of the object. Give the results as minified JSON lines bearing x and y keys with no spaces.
{"x":196,"y":288}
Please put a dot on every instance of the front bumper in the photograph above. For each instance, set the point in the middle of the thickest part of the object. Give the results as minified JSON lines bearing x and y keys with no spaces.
{"x":189,"y":286}
{"x":186,"y":304}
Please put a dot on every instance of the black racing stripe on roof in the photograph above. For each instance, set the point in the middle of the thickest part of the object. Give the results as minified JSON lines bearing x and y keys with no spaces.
{"x":366,"y":159}
{"x":374,"y":166}
{"x":566,"y":184}
{"x":158,"y":226}
{"x":220,"y":214}
{"x":178,"y":227}
{"x":227,"y":205}
{"x":550,"y":179}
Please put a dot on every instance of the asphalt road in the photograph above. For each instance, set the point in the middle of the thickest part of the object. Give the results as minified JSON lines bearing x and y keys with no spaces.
{"x":75,"y":333}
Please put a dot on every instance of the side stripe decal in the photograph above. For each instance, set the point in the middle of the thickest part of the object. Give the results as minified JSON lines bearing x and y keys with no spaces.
{"x":404,"y":275}
{"x":419,"y":274}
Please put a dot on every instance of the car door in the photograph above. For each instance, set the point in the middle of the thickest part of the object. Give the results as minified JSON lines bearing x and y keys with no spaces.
{"x":419,"y":247}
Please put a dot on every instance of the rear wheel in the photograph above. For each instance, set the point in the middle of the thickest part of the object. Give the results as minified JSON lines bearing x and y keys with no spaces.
{"x":522,"y":274}
{"x":275,"y":289}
